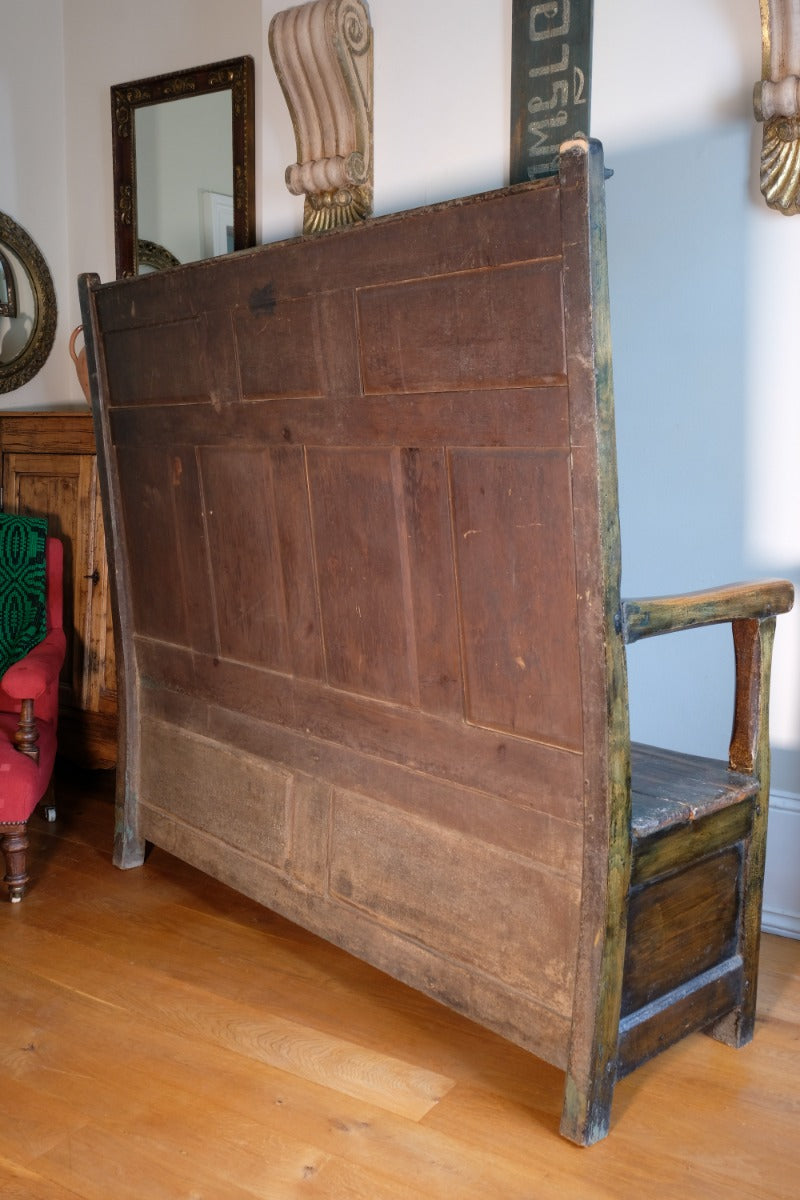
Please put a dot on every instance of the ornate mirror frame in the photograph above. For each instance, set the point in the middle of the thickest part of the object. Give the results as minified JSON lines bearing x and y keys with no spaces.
{"x":235,"y":75}
{"x":22,"y":368}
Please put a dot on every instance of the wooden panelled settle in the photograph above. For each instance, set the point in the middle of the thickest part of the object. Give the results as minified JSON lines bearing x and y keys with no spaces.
{"x":365,"y":546}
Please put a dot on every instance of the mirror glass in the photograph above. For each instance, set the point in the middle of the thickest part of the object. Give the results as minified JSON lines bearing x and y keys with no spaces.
{"x":184,"y":175}
{"x":183,"y":166}
{"x":27,"y":306}
{"x":18,"y":306}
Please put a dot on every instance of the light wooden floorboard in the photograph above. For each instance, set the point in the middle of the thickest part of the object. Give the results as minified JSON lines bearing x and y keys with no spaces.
{"x":166,"y":1039}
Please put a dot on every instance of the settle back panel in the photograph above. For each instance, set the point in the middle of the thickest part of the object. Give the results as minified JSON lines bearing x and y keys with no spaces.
{"x":352,"y":483}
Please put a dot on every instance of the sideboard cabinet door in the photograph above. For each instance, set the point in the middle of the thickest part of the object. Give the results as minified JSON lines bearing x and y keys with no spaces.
{"x":49,"y":468}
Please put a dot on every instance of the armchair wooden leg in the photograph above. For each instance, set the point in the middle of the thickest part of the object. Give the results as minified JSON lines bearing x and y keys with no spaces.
{"x":14,"y":845}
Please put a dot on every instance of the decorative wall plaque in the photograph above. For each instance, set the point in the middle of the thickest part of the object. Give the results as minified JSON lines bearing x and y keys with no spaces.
{"x":550,"y":82}
{"x":776,"y":100}
{"x":322,"y":53}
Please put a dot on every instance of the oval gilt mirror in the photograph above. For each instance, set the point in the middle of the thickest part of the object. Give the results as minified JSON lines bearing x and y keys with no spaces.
{"x":28,"y":309}
{"x":184,"y":185}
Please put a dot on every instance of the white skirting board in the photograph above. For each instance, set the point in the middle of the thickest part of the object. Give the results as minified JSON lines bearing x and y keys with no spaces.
{"x":781,"y":911}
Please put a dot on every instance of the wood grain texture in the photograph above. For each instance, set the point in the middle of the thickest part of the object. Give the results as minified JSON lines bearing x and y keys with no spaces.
{"x":380,"y":447}
{"x":101,"y":1095}
{"x":368,"y":566}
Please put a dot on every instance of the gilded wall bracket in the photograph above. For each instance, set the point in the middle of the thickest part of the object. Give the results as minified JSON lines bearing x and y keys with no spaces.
{"x":776,"y":100}
{"x":322,"y":53}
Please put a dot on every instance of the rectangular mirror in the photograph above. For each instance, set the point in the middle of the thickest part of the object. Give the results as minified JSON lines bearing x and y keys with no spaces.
{"x":184,"y":177}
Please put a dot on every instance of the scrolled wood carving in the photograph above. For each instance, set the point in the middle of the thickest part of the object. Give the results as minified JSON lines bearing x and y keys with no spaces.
{"x":322,"y":53}
{"x":776,"y":100}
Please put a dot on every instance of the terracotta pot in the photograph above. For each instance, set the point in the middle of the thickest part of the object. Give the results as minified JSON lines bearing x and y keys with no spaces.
{"x":81,"y":366}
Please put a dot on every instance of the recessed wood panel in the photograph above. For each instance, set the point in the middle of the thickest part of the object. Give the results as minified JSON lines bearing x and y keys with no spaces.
{"x":242,"y":800}
{"x":422,"y":480}
{"x":680,"y":927}
{"x":478,"y":329}
{"x":273,"y":359}
{"x":494,"y":912}
{"x":158,"y":364}
{"x":516,"y":580}
{"x":262,"y":572}
{"x":164,"y":527}
{"x":246,"y":575}
{"x":363,"y":573}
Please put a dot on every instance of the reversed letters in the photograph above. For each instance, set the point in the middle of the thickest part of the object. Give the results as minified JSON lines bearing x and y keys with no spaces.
{"x":550,"y":95}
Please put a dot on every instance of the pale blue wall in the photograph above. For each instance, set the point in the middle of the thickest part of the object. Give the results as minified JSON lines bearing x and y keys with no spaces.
{"x":679,"y":273}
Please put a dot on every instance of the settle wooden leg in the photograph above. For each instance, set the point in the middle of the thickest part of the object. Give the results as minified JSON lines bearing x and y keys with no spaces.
{"x":14,"y":844}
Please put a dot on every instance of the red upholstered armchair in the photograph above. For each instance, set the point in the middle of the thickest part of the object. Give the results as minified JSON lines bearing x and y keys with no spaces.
{"x":28,"y":723}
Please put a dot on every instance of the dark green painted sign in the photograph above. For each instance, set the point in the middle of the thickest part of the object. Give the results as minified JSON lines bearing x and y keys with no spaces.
{"x":550,"y":81}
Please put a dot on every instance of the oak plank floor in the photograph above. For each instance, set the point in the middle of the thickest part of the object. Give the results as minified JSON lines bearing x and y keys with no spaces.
{"x":162,"y":1038}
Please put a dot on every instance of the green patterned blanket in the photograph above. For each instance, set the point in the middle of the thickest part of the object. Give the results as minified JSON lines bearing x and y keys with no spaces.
{"x":23,"y":612}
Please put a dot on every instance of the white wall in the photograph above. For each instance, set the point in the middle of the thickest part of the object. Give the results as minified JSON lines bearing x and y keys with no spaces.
{"x":32,"y":162}
{"x":703,"y":277}
{"x":113,"y":41}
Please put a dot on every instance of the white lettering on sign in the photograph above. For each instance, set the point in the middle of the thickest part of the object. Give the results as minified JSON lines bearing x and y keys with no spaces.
{"x":557,"y":84}
{"x":537,"y":127}
{"x":560,"y":96}
{"x":549,"y":11}
{"x":554,"y":68}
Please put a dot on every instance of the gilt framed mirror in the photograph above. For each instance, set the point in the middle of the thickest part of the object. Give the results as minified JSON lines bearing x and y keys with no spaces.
{"x":28,"y":311}
{"x":184,"y":170}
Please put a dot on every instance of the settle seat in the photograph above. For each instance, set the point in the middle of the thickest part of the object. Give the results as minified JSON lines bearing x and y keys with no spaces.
{"x":361,"y":492}
{"x":28,"y":693}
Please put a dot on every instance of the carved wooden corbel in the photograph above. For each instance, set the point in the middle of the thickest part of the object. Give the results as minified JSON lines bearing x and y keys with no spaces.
{"x":776,"y":100}
{"x":322,"y":53}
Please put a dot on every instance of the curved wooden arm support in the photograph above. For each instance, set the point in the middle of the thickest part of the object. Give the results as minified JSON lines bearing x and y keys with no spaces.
{"x":751,"y":609}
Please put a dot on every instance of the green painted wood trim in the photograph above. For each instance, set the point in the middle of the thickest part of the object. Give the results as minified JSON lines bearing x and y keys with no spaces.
{"x":738,"y":601}
{"x":592,"y":1055}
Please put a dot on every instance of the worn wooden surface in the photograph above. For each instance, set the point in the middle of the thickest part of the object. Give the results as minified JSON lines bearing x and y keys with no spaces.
{"x":334,"y":711}
{"x":163,"y":1037}
{"x":362,"y":492}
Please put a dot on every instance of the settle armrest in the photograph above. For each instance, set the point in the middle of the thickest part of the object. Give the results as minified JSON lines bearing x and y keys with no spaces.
{"x":735,"y":602}
{"x":751,"y":609}
{"x":28,"y":678}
